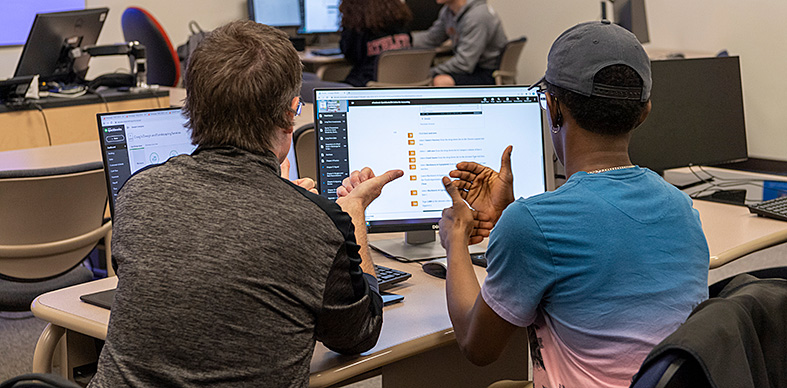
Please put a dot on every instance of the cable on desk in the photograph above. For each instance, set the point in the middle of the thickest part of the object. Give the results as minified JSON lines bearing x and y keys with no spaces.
{"x":46,"y":123}
{"x":727,"y":182}
{"x":101,"y":96}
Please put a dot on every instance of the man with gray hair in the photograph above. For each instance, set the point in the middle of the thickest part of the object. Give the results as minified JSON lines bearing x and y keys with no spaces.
{"x":227,"y":272}
{"x":604,"y":267}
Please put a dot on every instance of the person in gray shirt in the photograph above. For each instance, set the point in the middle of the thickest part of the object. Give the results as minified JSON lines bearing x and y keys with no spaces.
{"x":477,"y":38}
{"x":227,"y":272}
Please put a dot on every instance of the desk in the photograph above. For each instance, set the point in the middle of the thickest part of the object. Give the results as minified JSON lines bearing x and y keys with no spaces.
{"x":69,"y":120}
{"x":327,"y":68}
{"x":416,"y":347}
{"x":415,"y":333}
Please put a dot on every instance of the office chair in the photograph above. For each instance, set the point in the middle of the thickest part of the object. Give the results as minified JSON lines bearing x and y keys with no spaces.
{"x":162,"y":59}
{"x":407,"y":67}
{"x":509,"y":58}
{"x":50,"y":219}
{"x":737,"y":339}
{"x":304,"y":141}
{"x":38,"y":380}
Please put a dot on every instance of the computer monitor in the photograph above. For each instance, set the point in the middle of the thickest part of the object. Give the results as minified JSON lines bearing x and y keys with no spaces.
{"x":320,"y":16}
{"x":17,"y":17}
{"x":697,"y":116}
{"x":425,"y":12}
{"x":131,"y":141}
{"x":276,"y":13}
{"x":52,"y":36}
{"x":630,"y":14}
{"x":425,"y":132}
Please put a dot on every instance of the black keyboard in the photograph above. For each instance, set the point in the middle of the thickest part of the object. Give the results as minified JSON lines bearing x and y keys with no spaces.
{"x":388,"y":277}
{"x":327,"y":52}
{"x":773,"y":208}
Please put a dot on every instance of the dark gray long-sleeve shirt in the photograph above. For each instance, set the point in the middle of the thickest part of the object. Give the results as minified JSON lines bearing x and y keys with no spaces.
{"x":476,"y":34}
{"x":227,"y":274}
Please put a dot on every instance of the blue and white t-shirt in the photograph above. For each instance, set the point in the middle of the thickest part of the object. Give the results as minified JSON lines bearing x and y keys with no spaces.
{"x":605,"y":267}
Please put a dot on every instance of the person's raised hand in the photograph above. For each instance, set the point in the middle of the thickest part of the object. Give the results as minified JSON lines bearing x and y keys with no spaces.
{"x":459,"y":223}
{"x":362,"y":187}
{"x":306,"y":183}
{"x":486,"y":190}
{"x":356,"y":178}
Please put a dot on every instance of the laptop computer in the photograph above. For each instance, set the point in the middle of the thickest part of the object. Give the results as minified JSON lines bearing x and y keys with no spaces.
{"x":133,"y":140}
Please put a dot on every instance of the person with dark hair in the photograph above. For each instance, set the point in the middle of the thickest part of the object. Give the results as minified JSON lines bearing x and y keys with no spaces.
{"x":227,"y":272}
{"x":370,"y":27}
{"x":601,"y":269}
{"x":477,"y":38}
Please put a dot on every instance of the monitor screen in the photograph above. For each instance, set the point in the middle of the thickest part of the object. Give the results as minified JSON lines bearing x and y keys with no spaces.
{"x":52,"y":36}
{"x":425,"y":12}
{"x":425,"y":132}
{"x":320,"y":16}
{"x":276,"y":13}
{"x":630,"y":14}
{"x":16,"y":17}
{"x":697,"y":116}
{"x":131,"y":141}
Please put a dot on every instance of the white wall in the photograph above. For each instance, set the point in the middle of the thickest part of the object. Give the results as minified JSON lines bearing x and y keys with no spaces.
{"x":755,"y":30}
{"x":173,"y":15}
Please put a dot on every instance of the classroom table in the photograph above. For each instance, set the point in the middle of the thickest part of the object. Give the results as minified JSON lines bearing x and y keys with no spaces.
{"x":417,"y":345}
{"x":416,"y":336}
{"x":68,"y":120}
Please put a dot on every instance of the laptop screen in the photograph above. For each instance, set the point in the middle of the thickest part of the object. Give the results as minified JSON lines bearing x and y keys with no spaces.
{"x":133,"y":140}
{"x":425,"y":132}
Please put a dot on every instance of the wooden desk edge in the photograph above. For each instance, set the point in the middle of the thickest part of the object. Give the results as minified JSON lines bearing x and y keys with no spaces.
{"x":72,"y":321}
{"x":381,"y":358}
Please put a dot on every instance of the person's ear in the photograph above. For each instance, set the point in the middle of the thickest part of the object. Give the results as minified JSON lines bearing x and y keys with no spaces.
{"x":294,"y":103}
{"x":554,"y":110}
{"x":644,"y":114}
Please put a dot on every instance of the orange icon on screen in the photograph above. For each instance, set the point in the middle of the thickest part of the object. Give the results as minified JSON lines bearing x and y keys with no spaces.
{"x":412,"y":167}
{"x":410,"y":135}
{"x":412,"y":153}
{"x":413,"y":177}
{"x":414,"y":203}
{"x":412,"y":160}
{"x":413,"y":192}
{"x":411,"y":142}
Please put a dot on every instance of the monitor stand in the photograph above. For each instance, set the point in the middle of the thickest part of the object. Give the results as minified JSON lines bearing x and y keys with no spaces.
{"x":417,"y":246}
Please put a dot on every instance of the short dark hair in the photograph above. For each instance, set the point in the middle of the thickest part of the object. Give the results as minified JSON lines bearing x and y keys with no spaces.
{"x":606,"y":116}
{"x":240,"y":82}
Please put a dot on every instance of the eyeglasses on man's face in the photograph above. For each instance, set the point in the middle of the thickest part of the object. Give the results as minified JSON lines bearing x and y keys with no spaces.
{"x":542,"y":98}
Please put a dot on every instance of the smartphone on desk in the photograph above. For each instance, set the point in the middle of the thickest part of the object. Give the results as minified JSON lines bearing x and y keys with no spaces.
{"x":389,"y":298}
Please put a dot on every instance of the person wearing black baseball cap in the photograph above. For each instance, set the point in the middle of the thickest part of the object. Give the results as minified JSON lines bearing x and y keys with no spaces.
{"x":604,"y":267}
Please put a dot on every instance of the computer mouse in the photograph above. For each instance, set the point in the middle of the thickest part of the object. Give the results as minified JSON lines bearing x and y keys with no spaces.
{"x":436,"y":267}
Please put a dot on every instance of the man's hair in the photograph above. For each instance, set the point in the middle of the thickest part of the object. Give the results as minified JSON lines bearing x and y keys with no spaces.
{"x":606,"y":116}
{"x":240,"y":83}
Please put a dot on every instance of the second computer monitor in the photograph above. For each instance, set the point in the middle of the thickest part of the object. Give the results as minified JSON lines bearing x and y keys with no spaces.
{"x":425,"y":132}
{"x":276,"y":13}
{"x":697,"y":116}
{"x":320,"y":16}
{"x":51,"y":38}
